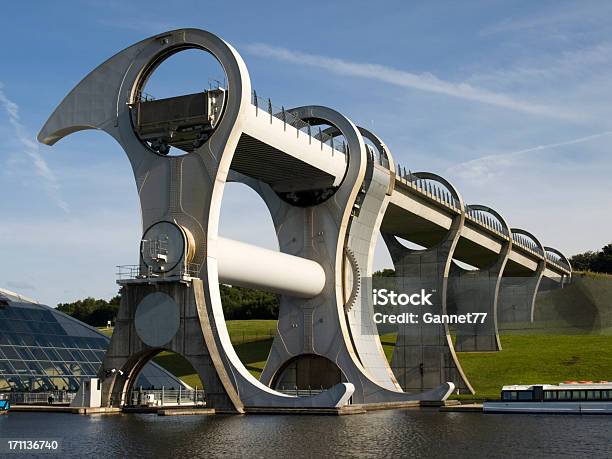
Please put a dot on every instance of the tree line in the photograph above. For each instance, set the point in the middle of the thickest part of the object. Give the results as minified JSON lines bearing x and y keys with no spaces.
{"x":238,"y":304}
{"x":596,"y":261}
{"x":94,"y":312}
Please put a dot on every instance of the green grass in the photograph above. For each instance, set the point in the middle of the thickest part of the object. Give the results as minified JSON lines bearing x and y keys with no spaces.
{"x":106,"y":331}
{"x":532,"y":359}
{"x":178,"y":366}
{"x":252,"y":340}
{"x":592,"y":275}
{"x":244,"y":331}
{"x":525,"y":358}
{"x":239,"y":330}
{"x":529,"y":359}
{"x":252,"y":354}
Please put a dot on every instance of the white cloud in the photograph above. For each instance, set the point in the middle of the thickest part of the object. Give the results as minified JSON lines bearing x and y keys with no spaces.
{"x":422,"y":82}
{"x":30,"y":148}
{"x":558,"y":18}
{"x":567,"y":68}
{"x":487,"y":167}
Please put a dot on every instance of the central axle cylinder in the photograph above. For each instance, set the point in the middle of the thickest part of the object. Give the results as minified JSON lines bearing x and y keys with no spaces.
{"x":250,"y":266}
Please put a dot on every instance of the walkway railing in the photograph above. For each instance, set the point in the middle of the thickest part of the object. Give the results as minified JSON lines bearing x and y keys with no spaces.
{"x":301,"y":392}
{"x":486,"y":220}
{"x":429,"y":188}
{"x":557,"y":260}
{"x":165,"y":397}
{"x":376,"y":157}
{"x":38,"y":398}
{"x":130,"y":272}
{"x":264,"y":107}
{"x":526,"y":243}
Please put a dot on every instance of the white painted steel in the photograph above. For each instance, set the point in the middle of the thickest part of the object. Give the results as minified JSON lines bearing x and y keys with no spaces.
{"x":247,"y":265}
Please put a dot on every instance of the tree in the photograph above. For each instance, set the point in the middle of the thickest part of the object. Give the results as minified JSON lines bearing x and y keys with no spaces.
{"x":582,"y":261}
{"x":94,"y":312}
{"x":603,"y":260}
{"x":238,"y":304}
{"x":243,"y":303}
{"x":387,"y":272}
{"x":600,"y":262}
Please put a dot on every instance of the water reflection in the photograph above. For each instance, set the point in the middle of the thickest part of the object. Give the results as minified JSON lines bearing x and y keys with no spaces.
{"x":422,"y":433}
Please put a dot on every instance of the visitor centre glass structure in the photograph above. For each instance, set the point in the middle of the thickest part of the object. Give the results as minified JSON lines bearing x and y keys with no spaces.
{"x":42,"y":349}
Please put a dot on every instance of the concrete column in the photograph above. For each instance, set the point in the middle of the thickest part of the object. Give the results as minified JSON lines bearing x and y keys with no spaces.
{"x":424,"y":356}
{"x":519,"y":288}
{"x":517,"y":296}
{"x":477,"y":292}
{"x":133,"y":343}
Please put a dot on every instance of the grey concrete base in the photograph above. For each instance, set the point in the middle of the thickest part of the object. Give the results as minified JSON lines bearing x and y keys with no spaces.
{"x":423,"y":356}
{"x":129,"y":353}
{"x":478,"y":292}
{"x":64,"y":409}
{"x":475,"y":292}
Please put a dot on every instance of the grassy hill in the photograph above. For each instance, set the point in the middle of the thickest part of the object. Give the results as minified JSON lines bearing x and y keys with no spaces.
{"x":591,"y":291}
{"x":532,"y":359}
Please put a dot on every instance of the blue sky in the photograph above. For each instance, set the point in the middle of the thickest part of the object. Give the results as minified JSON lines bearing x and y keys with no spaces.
{"x":510,"y":100}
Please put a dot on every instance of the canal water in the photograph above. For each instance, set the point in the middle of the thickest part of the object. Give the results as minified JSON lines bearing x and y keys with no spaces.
{"x":397,"y":433}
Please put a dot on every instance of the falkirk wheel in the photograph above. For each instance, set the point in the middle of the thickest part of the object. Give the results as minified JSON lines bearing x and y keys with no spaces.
{"x":331,"y":187}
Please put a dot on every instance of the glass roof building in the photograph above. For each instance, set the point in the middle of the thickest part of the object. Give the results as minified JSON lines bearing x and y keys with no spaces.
{"x":44,"y":349}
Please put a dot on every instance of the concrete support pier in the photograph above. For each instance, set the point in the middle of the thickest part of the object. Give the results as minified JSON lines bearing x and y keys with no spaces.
{"x":174,"y":323}
{"x":477,"y":292}
{"x":517,"y":297}
{"x":519,"y":287}
{"x":424,"y":356}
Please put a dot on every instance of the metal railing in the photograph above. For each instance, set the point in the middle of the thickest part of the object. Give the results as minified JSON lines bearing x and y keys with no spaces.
{"x":376,"y":157}
{"x":526,"y":243}
{"x":131,"y":272}
{"x":300,"y":392}
{"x":237,"y":337}
{"x":137,"y":397}
{"x":165,"y":397}
{"x":265,"y":107}
{"x":39,"y":398}
{"x":144,"y":97}
{"x":557,"y":260}
{"x":485,"y":219}
{"x":429,"y":188}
